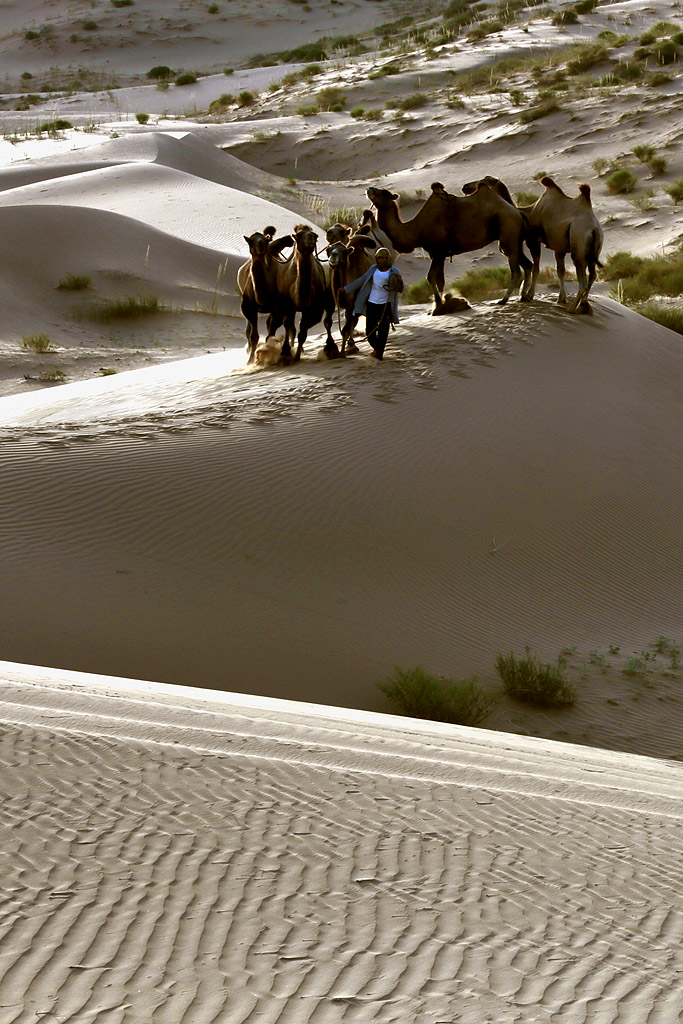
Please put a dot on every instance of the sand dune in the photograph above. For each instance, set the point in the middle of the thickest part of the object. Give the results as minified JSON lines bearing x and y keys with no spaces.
{"x":222,"y":857}
{"x":314,"y":574}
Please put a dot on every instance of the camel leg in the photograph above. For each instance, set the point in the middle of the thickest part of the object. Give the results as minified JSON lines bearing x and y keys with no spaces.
{"x":527,"y":269}
{"x":585,"y":276}
{"x":436,"y":278}
{"x":529,"y":288}
{"x":331,"y":350}
{"x":561,"y":274}
{"x":288,"y":321}
{"x":515,"y":277}
{"x":250,"y":314}
{"x":348,"y":344}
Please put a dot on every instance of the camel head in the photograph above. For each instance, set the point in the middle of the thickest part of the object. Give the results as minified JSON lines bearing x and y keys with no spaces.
{"x":305,"y":238}
{"x":367,"y":223}
{"x":470,"y":187}
{"x":338,"y":233}
{"x":258,"y":243}
{"x":269,"y":232}
{"x":339,"y":253}
{"x":381,"y":198}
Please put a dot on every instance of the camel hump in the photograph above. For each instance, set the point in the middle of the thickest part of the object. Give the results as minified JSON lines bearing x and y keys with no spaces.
{"x":585,"y":191}
{"x":437,"y":186}
{"x":549,"y":183}
{"x":269,"y":231}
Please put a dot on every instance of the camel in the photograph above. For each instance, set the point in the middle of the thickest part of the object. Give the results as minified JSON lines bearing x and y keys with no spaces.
{"x":446,"y":225}
{"x":256,"y":280}
{"x":349,"y":256}
{"x":564,"y":225}
{"x":302,"y":288}
{"x":367,"y":225}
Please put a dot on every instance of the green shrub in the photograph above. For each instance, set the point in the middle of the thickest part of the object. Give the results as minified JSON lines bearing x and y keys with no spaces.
{"x":331,"y":96}
{"x":418,"y":99}
{"x":142,"y":118}
{"x":308,"y":109}
{"x":644,"y":153}
{"x":245,"y":98}
{"x":665,"y":52}
{"x":623,"y":71}
{"x":124,"y":309}
{"x":357,"y":112}
{"x":392,"y":68}
{"x":226,"y":99}
{"x":51,"y":127}
{"x":213,"y":8}
{"x":587,"y":57}
{"x":542,"y":109}
{"x":90,"y":26}
{"x":484,"y":29}
{"x":374,"y":114}
{"x":667,"y":316}
{"x":420,"y":291}
{"x":621,"y":181}
{"x":621,"y":264}
{"x":657,"y":164}
{"x":525,"y":198}
{"x":37,"y":343}
{"x":585,"y":6}
{"x":306,"y":53}
{"x":161,"y":71}
{"x":186,"y":79}
{"x":74,"y":283}
{"x":484,"y":282}
{"x":122,"y":3}
{"x":535,"y":682}
{"x":418,"y":694}
{"x":566,"y":17}
{"x":26,"y":74}
{"x":675,"y":190}
{"x":657,"y":275}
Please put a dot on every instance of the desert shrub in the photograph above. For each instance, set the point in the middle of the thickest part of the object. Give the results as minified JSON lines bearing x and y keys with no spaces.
{"x":31,"y":34}
{"x":330,"y":97}
{"x":124,"y":309}
{"x":675,"y":190}
{"x":373,"y":114}
{"x":51,"y":376}
{"x":228,"y":71}
{"x":306,"y":53}
{"x":418,"y":694}
{"x":420,"y":291}
{"x":667,"y":316}
{"x":74,"y":283}
{"x":485,"y":28}
{"x":623,"y":71}
{"x":455,"y":103}
{"x":535,"y":682}
{"x":665,"y":52}
{"x":662,"y":28}
{"x":37,"y":343}
{"x":644,"y":153}
{"x":621,"y":180}
{"x":160,"y":72}
{"x":357,"y":112}
{"x":621,"y":264}
{"x":486,"y":281}
{"x":343,"y":215}
{"x":525,"y":198}
{"x":107,"y":371}
{"x":659,"y":78}
{"x":90,"y":26}
{"x":542,"y":109}
{"x":58,"y":125}
{"x":122,"y":3}
{"x":644,"y":200}
{"x":308,"y":109}
{"x":566,"y":17}
{"x":226,"y":99}
{"x":657,"y":164}
{"x":585,"y":6}
{"x":213,"y":8}
{"x":142,"y":118}
{"x":245,"y":98}
{"x":186,"y":79}
{"x":26,"y":74}
{"x":657,"y":275}
{"x":587,"y":57}
{"x":418,"y":99}
{"x":392,"y":68}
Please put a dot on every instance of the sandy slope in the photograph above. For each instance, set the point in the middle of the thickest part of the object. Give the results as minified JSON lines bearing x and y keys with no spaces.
{"x":299,"y":532}
{"x":192,"y":856}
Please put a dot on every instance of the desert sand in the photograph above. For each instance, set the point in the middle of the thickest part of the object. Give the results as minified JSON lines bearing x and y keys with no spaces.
{"x":208,"y":567}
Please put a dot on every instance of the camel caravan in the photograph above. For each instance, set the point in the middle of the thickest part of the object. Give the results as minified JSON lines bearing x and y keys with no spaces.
{"x":313,"y":285}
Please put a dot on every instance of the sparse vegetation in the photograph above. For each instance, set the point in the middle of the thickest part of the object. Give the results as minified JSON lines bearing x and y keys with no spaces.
{"x":526,"y":198}
{"x":544,"y":107}
{"x":124,"y":309}
{"x":675,"y":190}
{"x":187,"y":78}
{"x":245,"y":98}
{"x":667,"y":316}
{"x":37,"y":343}
{"x":159,"y":72}
{"x":535,"y":682}
{"x":621,"y":180}
{"x":74,"y":283}
{"x":418,"y":694}
{"x":331,"y":98}
{"x":418,"y":99}
{"x":52,"y":127}
{"x":142,"y":118}
{"x":640,"y":278}
{"x":483,"y":283}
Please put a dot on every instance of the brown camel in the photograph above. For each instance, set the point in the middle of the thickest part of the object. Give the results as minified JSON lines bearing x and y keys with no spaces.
{"x":446,"y":225}
{"x":349,"y":256}
{"x":564,"y":225}
{"x":367,"y":225}
{"x":302,"y":288}
{"x":256,"y":280}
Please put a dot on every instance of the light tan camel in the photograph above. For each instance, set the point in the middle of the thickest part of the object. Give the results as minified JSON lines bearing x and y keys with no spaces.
{"x":302,"y":287}
{"x":256,"y":280}
{"x":446,"y":225}
{"x":348,"y":256}
{"x":564,"y":225}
